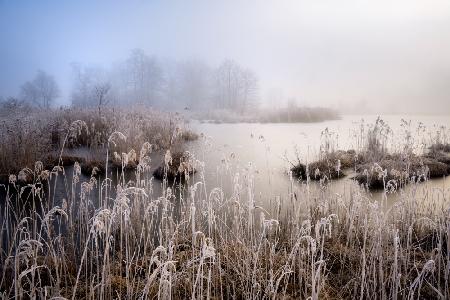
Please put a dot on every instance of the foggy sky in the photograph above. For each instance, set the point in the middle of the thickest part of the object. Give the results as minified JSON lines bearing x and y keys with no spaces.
{"x":358,"y":56}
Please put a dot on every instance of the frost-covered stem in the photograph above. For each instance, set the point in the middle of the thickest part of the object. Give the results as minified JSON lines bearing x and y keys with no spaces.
{"x":363,"y":263}
{"x":81,"y":265}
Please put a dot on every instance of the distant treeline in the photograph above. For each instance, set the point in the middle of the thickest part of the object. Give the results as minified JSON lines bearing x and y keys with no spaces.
{"x":150,"y":81}
{"x":291,"y":114}
{"x":298,"y":114}
{"x":147,"y":80}
{"x":228,"y":91}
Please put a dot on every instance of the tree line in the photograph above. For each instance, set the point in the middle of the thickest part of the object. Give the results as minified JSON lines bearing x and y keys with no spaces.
{"x":147,"y":80}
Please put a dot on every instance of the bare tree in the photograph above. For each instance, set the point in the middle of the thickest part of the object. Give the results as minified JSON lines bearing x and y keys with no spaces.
{"x":145,"y":77}
{"x":194,"y":84}
{"x":101,"y":91}
{"x":248,"y":90}
{"x":236,"y":88}
{"x":227,"y":84}
{"x":41,"y":91}
{"x":189,"y":84}
{"x":92,"y":87}
{"x":82,"y":86}
{"x":171,"y":89}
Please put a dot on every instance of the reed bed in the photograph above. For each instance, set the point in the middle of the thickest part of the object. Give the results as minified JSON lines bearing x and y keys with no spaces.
{"x":122,"y":240}
{"x":381,"y":157}
{"x":28,"y":136}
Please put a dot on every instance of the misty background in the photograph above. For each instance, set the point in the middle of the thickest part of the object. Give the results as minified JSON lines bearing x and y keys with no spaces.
{"x":354,"y":56}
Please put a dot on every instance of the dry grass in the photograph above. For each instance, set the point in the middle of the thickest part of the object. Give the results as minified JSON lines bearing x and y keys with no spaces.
{"x":310,"y":243}
{"x":38,"y":136}
{"x":24,"y":140}
{"x":378,"y":166}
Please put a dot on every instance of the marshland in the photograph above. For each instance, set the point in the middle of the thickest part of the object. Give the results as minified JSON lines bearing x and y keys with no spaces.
{"x":224,"y":150}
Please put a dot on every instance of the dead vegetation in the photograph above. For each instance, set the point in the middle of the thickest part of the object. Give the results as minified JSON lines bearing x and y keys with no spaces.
{"x":176,"y":167}
{"x":140,"y":245}
{"x":311,"y":242}
{"x":32,"y":136}
{"x":376,"y":166}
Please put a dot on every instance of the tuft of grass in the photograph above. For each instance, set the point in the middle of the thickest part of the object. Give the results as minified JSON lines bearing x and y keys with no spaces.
{"x":177,"y":166}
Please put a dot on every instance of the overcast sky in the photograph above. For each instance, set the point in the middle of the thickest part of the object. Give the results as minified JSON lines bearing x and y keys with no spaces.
{"x":386,"y":56}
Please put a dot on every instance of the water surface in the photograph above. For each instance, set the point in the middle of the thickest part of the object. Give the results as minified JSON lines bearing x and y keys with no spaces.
{"x":228,"y":149}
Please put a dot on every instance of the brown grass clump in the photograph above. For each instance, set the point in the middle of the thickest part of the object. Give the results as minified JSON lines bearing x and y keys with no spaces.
{"x":440,"y":147}
{"x":189,"y":135}
{"x":394,"y":169}
{"x":177,"y":166}
{"x":93,"y":167}
{"x":397,"y":170}
{"x":332,"y":166}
